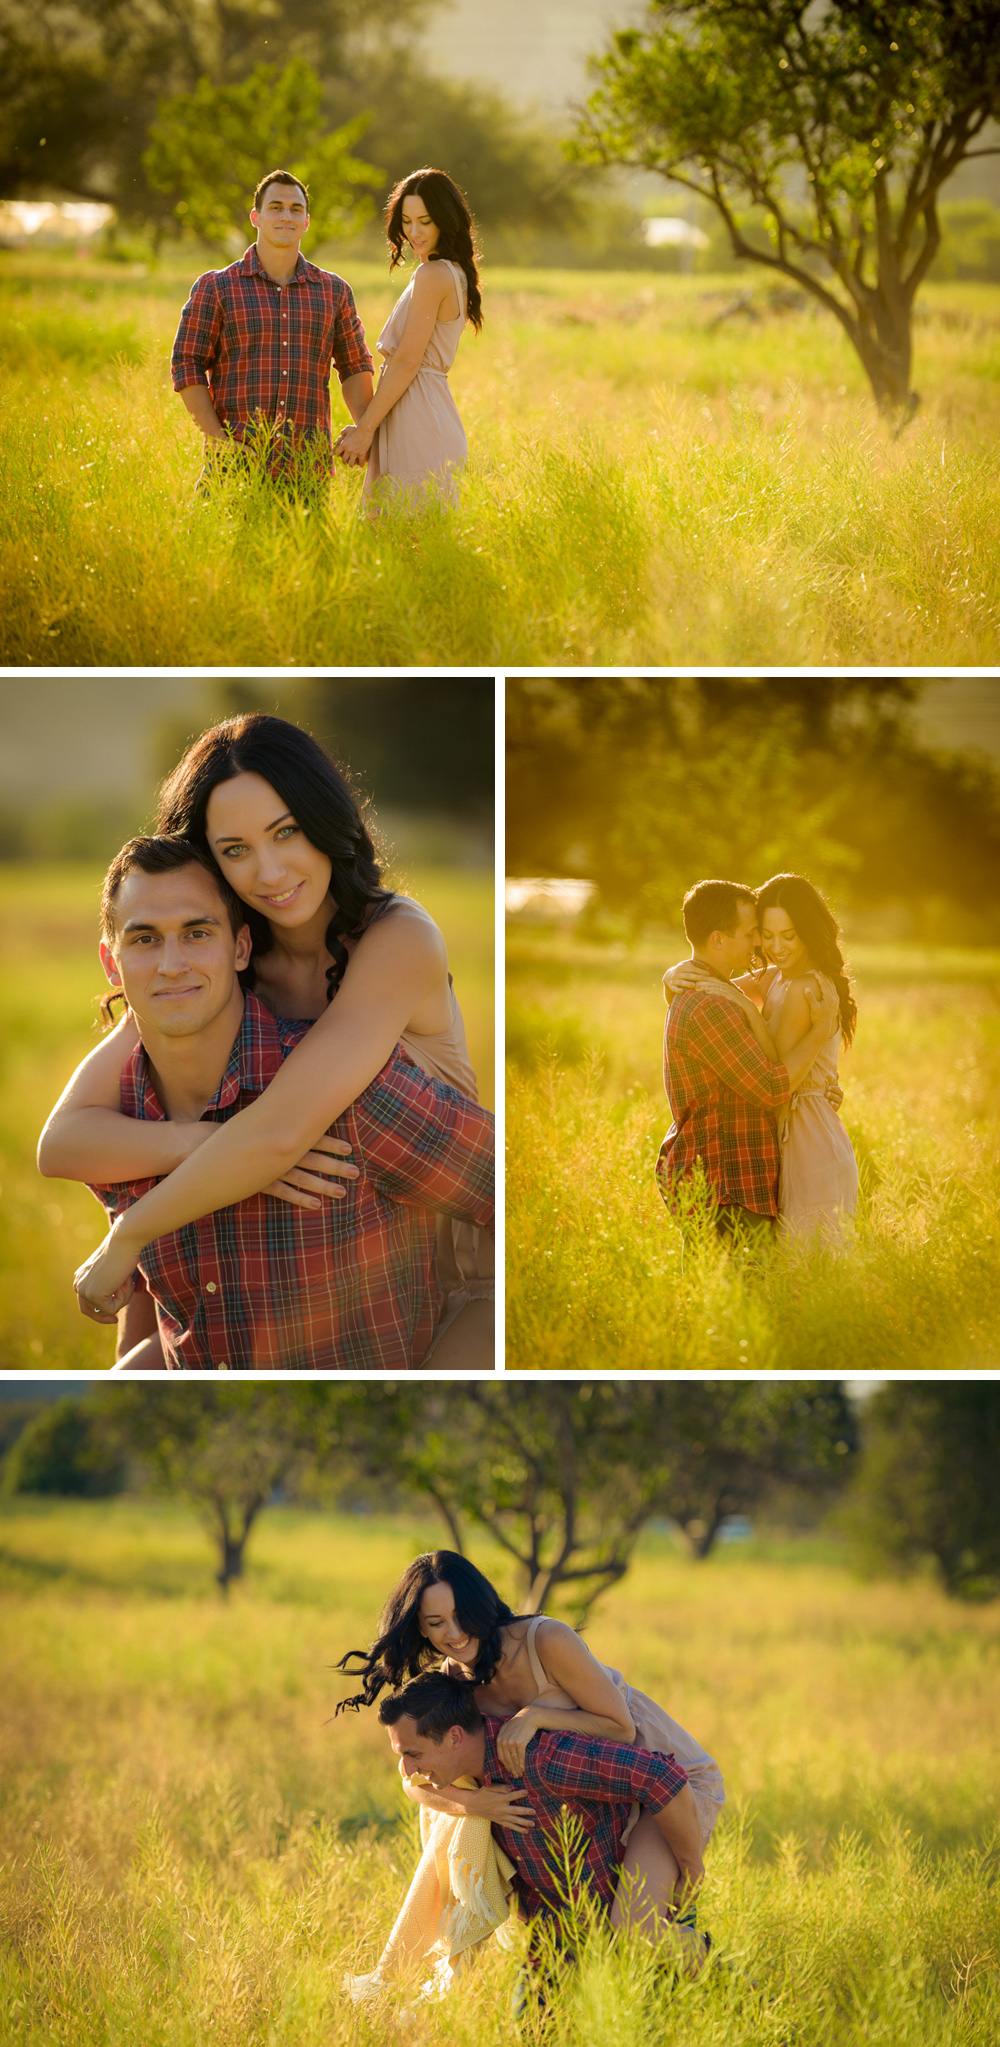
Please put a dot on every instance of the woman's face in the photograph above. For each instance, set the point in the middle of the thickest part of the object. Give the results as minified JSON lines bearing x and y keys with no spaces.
{"x":418,"y":227}
{"x":263,"y":853}
{"x":781,"y":942}
{"x":440,"y":1624}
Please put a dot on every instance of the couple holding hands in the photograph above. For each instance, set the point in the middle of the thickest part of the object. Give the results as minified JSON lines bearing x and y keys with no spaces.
{"x":256,"y":342}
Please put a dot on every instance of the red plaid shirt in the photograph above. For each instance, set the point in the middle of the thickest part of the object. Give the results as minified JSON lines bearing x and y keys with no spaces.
{"x":265,"y":349}
{"x":725,"y":1097}
{"x":352,"y":1285}
{"x":575,"y":1773}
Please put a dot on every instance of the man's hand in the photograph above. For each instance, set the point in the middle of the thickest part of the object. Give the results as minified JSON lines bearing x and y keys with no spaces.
{"x":307,"y":1185}
{"x":354,"y":446}
{"x":513,"y":1739}
{"x":506,"y":1808}
{"x":834,"y":1094}
{"x":107,"y":1280}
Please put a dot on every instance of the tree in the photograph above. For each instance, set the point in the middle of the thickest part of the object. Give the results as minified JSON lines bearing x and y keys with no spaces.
{"x":228,"y":1448}
{"x":207,"y":148}
{"x":65,"y":1450}
{"x":564,"y":1476}
{"x":83,"y":77}
{"x":742,"y":1441}
{"x":838,"y":122}
{"x":927,"y":1487}
{"x":768,"y":775}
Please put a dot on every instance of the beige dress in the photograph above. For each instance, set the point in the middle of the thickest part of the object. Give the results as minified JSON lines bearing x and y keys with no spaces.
{"x":818,"y":1192}
{"x":421,"y":442}
{"x":465,"y":1254}
{"x":654,"y":1730}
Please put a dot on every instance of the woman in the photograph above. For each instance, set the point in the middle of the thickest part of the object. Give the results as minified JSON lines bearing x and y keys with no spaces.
{"x":411,"y":436}
{"x":533,"y":1673}
{"x":283,"y":825}
{"x":818,"y":1189}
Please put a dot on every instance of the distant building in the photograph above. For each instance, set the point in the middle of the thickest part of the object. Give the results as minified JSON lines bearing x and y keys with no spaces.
{"x":665,"y":231}
{"x":535,"y":899}
{"x":47,"y":222}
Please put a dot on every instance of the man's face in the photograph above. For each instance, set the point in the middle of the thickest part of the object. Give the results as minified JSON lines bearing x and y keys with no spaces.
{"x":174,"y":953}
{"x":744,"y":941}
{"x":441,"y":1761}
{"x":282,"y":216}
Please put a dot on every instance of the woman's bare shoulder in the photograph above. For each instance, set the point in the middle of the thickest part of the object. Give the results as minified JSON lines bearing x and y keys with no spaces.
{"x":404,"y":926}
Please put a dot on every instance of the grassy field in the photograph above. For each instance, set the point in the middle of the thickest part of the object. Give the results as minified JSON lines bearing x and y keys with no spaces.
{"x":596,"y":1279}
{"x":192,"y":1851}
{"x":48,"y":982}
{"x":646,"y":487}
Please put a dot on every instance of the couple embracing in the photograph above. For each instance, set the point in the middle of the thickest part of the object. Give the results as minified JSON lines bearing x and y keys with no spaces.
{"x":283,"y":1127}
{"x":750,"y":1065}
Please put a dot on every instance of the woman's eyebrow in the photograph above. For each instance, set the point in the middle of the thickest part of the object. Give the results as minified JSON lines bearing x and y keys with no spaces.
{"x":222,"y":838}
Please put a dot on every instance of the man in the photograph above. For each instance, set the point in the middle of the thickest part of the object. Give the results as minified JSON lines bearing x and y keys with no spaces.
{"x":352,"y":1284}
{"x":252,"y":355}
{"x":725,"y":1094}
{"x":436,"y":1729}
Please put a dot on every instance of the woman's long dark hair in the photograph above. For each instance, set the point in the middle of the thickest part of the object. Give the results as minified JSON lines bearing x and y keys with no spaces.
{"x":401,"y":1651}
{"x":320,"y":799}
{"x":455,"y":225}
{"x":817,"y":928}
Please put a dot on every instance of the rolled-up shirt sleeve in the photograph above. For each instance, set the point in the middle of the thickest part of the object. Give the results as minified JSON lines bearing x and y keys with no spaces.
{"x":196,"y":344}
{"x":350,"y":351}
{"x":612,"y":1772}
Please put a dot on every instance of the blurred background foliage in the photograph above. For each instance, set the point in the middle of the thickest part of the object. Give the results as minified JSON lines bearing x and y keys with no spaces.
{"x":564,"y":1477}
{"x":87,"y":82}
{"x":645,"y":785}
{"x":83,"y":759}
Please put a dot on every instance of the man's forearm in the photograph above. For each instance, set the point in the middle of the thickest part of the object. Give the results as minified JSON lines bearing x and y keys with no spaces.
{"x":357,"y":394}
{"x":198,"y":400}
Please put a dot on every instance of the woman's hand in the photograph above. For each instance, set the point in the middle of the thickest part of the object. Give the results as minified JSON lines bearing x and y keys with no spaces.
{"x":686,"y":974}
{"x":106,"y":1281}
{"x":354,"y":445}
{"x":513,"y":1739}
{"x":307,"y":1184}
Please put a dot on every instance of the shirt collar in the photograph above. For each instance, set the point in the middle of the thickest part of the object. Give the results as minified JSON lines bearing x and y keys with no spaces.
{"x":253,"y":267}
{"x":252,"y":1064}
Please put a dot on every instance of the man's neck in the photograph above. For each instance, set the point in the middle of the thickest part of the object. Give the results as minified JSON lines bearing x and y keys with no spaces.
{"x":701,"y":961}
{"x":279,"y":264}
{"x":186,"y":1072}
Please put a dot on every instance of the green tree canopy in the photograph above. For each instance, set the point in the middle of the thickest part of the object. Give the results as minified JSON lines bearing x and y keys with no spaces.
{"x":838,"y":123}
{"x":66,"y":1449}
{"x":648,"y":784}
{"x":207,"y":149}
{"x":928,"y":1487}
{"x":226,"y":1448}
{"x":82,"y":78}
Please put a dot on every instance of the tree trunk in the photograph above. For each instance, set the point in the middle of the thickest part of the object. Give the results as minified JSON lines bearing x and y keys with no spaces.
{"x":232,"y":1560}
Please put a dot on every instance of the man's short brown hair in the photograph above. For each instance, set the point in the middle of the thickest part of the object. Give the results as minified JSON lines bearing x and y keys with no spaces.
{"x":279,"y":178}
{"x":714,"y":906}
{"x":159,"y":854}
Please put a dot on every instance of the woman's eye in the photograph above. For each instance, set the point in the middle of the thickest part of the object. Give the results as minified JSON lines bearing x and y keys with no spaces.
{"x":286,"y":831}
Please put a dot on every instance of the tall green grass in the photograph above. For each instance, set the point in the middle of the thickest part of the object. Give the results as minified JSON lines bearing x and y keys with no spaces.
{"x":49,"y":979}
{"x":643,"y":488}
{"x":192,"y":1851}
{"x":598,"y":1276}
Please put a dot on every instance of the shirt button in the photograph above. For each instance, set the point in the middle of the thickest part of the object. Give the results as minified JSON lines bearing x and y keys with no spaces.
{"x":211,"y":1288}
{"x":223,"y":1365}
